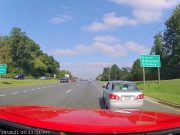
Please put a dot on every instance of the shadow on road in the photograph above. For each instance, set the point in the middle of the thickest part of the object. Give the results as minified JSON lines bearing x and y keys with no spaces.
{"x":101,"y":103}
{"x":6,"y":83}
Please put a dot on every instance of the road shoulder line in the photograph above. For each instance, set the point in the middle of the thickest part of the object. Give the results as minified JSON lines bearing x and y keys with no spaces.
{"x":156,"y":101}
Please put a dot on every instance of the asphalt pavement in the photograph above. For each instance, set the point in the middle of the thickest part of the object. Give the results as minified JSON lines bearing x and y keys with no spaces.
{"x":82,"y":94}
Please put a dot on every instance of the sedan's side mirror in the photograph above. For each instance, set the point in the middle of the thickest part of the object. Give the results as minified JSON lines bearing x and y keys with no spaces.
{"x":104,"y":86}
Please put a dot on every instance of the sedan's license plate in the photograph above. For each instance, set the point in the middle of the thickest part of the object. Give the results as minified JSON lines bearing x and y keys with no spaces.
{"x":128,"y":98}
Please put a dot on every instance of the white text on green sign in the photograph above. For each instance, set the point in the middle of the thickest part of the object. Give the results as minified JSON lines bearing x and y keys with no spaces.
{"x":150,"y":61}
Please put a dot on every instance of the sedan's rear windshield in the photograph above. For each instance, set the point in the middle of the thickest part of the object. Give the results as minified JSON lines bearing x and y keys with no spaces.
{"x":124,"y":87}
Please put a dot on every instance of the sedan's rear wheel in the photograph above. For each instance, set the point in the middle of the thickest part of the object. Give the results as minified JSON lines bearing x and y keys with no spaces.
{"x":105,"y":104}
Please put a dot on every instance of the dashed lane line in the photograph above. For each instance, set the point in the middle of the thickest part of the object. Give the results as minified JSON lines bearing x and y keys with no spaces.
{"x":68,"y":91}
{"x":98,"y":88}
{"x":25,"y":91}
{"x":15,"y":93}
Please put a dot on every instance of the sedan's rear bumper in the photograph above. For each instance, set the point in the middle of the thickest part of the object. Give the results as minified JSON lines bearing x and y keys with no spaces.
{"x":125,"y":105}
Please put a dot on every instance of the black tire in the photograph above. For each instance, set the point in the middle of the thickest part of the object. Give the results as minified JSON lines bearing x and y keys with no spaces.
{"x":105,"y":105}
{"x":103,"y":98}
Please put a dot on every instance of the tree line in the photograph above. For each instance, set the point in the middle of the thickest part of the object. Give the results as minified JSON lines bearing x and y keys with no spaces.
{"x":166,"y":44}
{"x":23,"y":55}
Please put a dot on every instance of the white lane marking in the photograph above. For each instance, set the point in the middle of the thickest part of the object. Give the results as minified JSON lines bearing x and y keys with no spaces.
{"x":2,"y":95}
{"x":33,"y":89}
{"x":154,"y":101}
{"x":98,"y":88}
{"x":15,"y":93}
{"x":149,"y":100}
{"x":44,"y":87}
{"x":68,"y":91}
{"x":38,"y":88}
{"x":25,"y":91}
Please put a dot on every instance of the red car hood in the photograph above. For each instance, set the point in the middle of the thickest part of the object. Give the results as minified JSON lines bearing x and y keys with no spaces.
{"x":89,"y":120}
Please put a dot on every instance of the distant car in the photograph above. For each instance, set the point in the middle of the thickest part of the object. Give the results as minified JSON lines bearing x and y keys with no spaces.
{"x":122,"y":95}
{"x":19,"y":76}
{"x":64,"y":80}
{"x":73,"y":80}
{"x":48,"y":78}
{"x":43,"y":78}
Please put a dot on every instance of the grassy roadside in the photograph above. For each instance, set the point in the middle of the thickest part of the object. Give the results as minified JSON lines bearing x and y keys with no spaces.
{"x":26,"y":82}
{"x":167,"y":90}
{"x":103,"y":83}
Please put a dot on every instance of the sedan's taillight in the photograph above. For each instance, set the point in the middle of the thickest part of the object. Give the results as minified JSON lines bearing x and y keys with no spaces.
{"x":141,"y":96}
{"x":113,"y":97}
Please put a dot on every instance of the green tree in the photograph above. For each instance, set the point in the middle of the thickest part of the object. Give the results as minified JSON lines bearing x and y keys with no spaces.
{"x":98,"y":77}
{"x":114,"y":72}
{"x":52,"y":65}
{"x":157,"y":49}
{"x":39,"y":67}
{"x":27,"y":56}
{"x":21,"y":54}
{"x":136,"y":71}
{"x":62,"y":73}
{"x":172,"y":44}
{"x":126,"y":74}
{"x":105,"y":74}
{"x":5,"y":51}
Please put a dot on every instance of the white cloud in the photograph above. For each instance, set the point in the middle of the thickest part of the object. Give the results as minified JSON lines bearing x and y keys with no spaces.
{"x":143,"y":11}
{"x":147,"y":4}
{"x":79,"y":49}
{"x":138,"y":48}
{"x":106,"y":39}
{"x":60,"y":19}
{"x":109,"y":21}
{"x":104,"y":45}
{"x":109,"y":50}
{"x":65,"y":52}
{"x":96,"y":26}
{"x":90,"y":69}
{"x":147,"y":10}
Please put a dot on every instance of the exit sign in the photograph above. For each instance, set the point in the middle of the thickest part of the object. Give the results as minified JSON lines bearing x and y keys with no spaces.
{"x":3,"y":68}
{"x":150,"y":61}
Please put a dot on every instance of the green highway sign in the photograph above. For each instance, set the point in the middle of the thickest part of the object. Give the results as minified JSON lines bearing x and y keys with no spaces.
{"x":3,"y":68}
{"x":150,"y":61}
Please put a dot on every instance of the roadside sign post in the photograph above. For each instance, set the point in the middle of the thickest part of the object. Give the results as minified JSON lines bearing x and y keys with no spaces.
{"x":150,"y":61}
{"x":158,"y":76}
{"x":144,"y":77}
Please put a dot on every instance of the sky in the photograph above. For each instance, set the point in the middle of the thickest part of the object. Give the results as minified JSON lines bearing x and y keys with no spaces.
{"x":85,"y":36}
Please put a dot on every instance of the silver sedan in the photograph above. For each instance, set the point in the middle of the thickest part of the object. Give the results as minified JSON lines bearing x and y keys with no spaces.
{"x":122,"y":95}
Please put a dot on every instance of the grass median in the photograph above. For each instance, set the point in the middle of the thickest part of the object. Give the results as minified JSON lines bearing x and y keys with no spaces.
{"x":12,"y":83}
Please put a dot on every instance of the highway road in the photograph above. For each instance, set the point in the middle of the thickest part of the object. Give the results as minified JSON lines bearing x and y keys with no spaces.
{"x":82,"y":94}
